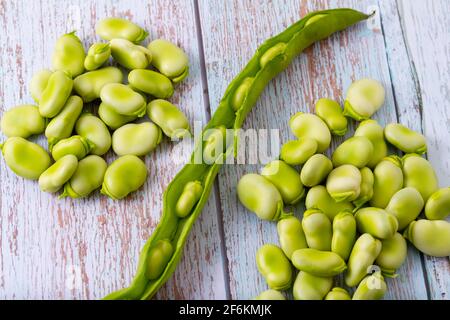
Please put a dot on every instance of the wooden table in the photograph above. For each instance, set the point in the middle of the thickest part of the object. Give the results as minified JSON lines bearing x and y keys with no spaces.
{"x":83,"y":249}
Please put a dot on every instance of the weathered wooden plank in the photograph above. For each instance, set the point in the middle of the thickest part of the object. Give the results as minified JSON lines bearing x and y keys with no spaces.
{"x":83,"y":249}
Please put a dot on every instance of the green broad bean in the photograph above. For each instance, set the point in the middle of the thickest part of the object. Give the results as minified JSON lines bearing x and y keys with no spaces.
{"x":297,"y":152}
{"x":319,"y":198}
{"x":374,"y":132}
{"x":376,"y":222}
{"x":356,"y":151}
{"x":87,"y":178}
{"x":393,"y":254}
{"x":311,"y":287}
{"x":364,"y":98}
{"x":76,"y":145}
{"x":274,"y":267}
{"x":215,"y":144}
{"x":362,"y":257}
{"x":151,"y":82}
{"x":431,"y":237}
{"x":315,"y":170}
{"x":22,"y":121}
{"x":241,"y":93}
{"x":111,"y":118}
{"x":260,"y":196}
{"x":338,"y":293}
{"x":270,"y":295}
{"x":130,"y":55}
{"x":38,"y":83}
{"x":311,"y":126}
{"x":26,"y":159}
{"x":366,"y":189}
{"x":331,"y":113}
{"x":93,"y":129}
{"x":286,"y":179}
{"x":371,"y":287}
{"x":405,"y":139}
{"x":125,"y":175}
{"x":406,"y":205}
{"x":112,"y":28}
{"x":158,"y":258}
{"x":123,"y":100}
{"x":52,"y":179}
{"x":344,"y":234}
{"x":169,"y":118}
{"x":97,"y":55}
{"x":275,"y":51}
{"x":344,"y":183}
{"x":189,"y":197}
{"x":419,"y":174}
{"x":388,"y":179}
{"x":55,"y":95}
{"x":318,"y":263}
{"x":89,"y":85}
{"x":291,"y":235}
{"x":317,"y":229}
{"x":69,"y":55}
{"x":314,"y":18}
{"x":438,"y":205}
{"x":169,"y":59}
{"x":138,"y":139}
{"x":61,"y":126}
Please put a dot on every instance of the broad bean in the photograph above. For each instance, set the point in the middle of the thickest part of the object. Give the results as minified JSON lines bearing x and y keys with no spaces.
{"x":405,"y":139}
{"x":112,"y":28}
{"x":291,"y":235}
{"x":89,"y":85}
{"x":376,"y":222}
{"x":318,"y":263}
{"x":331,"y":113}
{"x":274,"y":267}
{"x":151,"y":82}
{"x":97,"y":55}
{"x":111,"y":118}
{"x":317,"y":229}
{"x":406,"y":205}
{"x":388,"y":179}
{"x":123,"y":100}
{"x":270,"y":295}
{"x":306,"y":125}
{"x":364,"y":98}
{"x":38,"y":83}
{"x":69,"y":55}
{"x":169,"y":118}
{"x":338,"y":293}
{"x":374,"y":132}
{"x":438,"y":205}
{"x":366,"y":189}
{"x":431,"y":237}
{"x":169,"y":59}
{"x":371,"y":287}
{"x":241,"y":93}
{"x":93,"y":129}
{"x":216,"y":142}
{"x":319,"y":198}
{"x":191,"y":194}
{"x":271,"y":53}
{"x":419,"y":174}
{"x":311,"y":287}
{"x":344,"y":234}
{"x":297,"y":152}
{"x":356,"y":151}
{"x":55,"y":95}
{"x":76,"y":145}
{"x":22,"y":121}
{"x":130,"y":55}
{"x":52,"y":179}
{"x":393,"y":254}
{"x":315,"y":170}
{"x":136,"y":138}
{"x":344,"y":183}
{"x":158,"y":258}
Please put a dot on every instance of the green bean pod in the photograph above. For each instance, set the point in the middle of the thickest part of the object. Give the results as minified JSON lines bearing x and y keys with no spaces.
{"x":69,"y":55}
{"x":191,"y":194}
{"x":317,"y":229}
{"x":93,"y":129}
{"x":22,"y":121}
{"x":311,"y":126}
{"x":89,"y":85}
{"x":393,"y":254}
{"x":169,"y":118}
{"x":318,"y":263}
{"x":438,"y":205}
{"x":405,"y":139}
{"x":125,"y":175}
{"x":216,"y":143}
{"x":55,"y":95}
{"x":362,"y":257}
{"x":371,"y":287}
{"x":331,"y":113}
{"x":76,"y":145}
{"x":151,"y":82}
{"x":270,"y":295}
{"x":123,"y":100}
{"x":374,"y":132}
{"x":315,"y":170}
{"x":260,"y":196}
{"x":364,"y":97}
{"x":169,"y":59}
{"x":344,"y":183}
{"x":274,"y":267}
{"x":366,"y":189}
{"x":26,"y":159}
{"x":54,"y":178}
{"x":344,"y":234}
{"x":376,"y":222}
{"x":406,"y":205}
{"x":356,"y":151}
{"x":130,"y":55}
{"x":241,"y":93}
{"x":286,"y":179}
{"x":97,"y":55}
{"x":111,"y":118}
{"x":297,"y":152}
{"x":431,"y":237}
{"x":291,"y":235}
{"x":158,"y":258}
{"x":112,"y":28}
{"x":38,"y":83}
{"x":319,"y":198}
{"x":138,"y":139}
{"x":419,"y":174}
{"x":61,"y":126}
{"x":311,"y":287}
{"x":87,"y":178}
{"x":388,"y":179}
{"x":338,"y":293}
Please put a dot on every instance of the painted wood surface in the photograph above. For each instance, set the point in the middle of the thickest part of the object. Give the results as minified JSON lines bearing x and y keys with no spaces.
{"x":83,"y":249}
